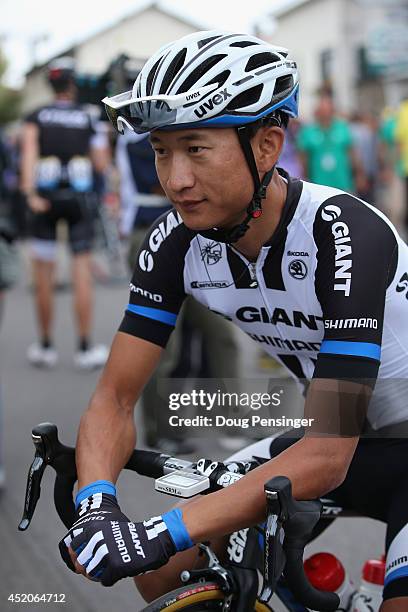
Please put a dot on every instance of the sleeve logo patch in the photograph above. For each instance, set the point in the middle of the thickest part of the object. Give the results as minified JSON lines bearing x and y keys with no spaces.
{"x":146,"y":262}
{"x":331,"y":212}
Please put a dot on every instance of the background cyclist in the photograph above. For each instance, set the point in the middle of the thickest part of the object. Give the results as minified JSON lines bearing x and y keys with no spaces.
{"x":61,"y":151}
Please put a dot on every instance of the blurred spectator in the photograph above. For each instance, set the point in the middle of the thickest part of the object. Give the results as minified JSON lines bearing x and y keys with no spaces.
{"x":141,"y":196}
{"x":8,"y":253}
{"x":143,"y":201}
{"x":391,"y":169}
{"x":61,"y":150}
{"x":401,"y":134}
{"x":365,"y":140}
{"x":327,"y":149}
{"x":290,"y":158}
{"x":8,"y":229}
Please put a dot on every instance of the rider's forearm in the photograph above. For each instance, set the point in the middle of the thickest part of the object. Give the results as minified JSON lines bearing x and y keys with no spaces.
{"x":106,"y":439}
{"x":314,"y":466}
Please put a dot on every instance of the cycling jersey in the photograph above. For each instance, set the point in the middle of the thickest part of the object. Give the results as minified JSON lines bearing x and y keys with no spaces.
{"x":327,"y":295}
{"x":66,"y":134}
{"x":65,"y":129}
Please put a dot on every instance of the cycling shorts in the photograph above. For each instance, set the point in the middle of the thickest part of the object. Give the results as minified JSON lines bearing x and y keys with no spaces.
{"x":79,"y":214}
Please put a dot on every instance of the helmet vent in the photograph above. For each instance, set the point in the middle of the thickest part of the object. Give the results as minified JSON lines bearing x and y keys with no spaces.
{"x":198,"y":72}
{"x":261,"y":59}
{"x":220,"y":78}
{"x":283,"y":84}
{"x":243,"y":43}
{"x":205,"y":41}
{"x":174,"y":67}
{"x":150,"y":77}
{"x":246,"y":98}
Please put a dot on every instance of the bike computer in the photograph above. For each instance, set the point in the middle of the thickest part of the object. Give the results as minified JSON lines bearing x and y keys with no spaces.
{"x":182,"y":483}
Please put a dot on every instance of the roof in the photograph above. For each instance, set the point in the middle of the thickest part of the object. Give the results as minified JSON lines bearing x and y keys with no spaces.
{"x":146,"y":6}
{"x":288,"y":6}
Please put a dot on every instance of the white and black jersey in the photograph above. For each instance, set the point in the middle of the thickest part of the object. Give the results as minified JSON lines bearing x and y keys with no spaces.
{"x":327,"y":296}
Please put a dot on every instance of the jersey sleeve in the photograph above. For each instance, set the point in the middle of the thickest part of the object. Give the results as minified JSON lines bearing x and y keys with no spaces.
{"x":157,"y":286}
{"x":356,"y":262}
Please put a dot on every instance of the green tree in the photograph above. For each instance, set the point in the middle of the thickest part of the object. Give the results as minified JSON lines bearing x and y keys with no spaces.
{"x":10,"y":98}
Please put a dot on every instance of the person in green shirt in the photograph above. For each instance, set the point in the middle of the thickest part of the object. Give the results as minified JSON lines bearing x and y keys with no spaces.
{"x":327,"y":151}
{"x":387,"y":134}
{"x":401,"y":136}
{"x":391,"y":170}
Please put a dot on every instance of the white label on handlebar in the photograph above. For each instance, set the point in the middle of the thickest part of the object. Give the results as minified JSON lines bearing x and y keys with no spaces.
{"x":173,"y":463}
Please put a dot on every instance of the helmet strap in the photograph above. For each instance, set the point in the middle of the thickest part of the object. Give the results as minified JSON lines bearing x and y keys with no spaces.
{"x":254,"y":208}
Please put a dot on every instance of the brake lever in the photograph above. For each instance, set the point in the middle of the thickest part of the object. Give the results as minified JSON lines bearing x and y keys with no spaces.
{"x":33,"y":489}
{"x":48,"y":451}
{"x":274,"y":554}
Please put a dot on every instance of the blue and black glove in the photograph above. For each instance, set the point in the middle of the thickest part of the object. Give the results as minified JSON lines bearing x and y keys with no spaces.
{"x":110,"y":546}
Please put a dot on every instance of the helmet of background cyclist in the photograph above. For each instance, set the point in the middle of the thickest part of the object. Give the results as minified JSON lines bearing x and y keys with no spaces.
{"x":61,"y":73}
{"x":213,"y":79}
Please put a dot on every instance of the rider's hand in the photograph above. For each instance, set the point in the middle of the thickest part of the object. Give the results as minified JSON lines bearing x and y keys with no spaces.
{"x":37,"y":203}
{"x":105,"y":546}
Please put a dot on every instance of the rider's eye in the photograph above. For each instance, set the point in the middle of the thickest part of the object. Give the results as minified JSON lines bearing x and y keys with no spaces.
{"x":196,"y":149}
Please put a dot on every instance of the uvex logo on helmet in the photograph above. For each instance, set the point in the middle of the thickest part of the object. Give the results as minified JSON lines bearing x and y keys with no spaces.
{"x":215,"y":100}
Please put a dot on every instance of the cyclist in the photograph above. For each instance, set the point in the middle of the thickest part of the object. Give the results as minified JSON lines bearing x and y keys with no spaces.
{"x":315,"y":275}
{"x":61,"y":148}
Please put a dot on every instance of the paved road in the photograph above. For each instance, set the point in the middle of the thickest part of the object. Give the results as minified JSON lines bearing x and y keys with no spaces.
{"x":30,"y":562}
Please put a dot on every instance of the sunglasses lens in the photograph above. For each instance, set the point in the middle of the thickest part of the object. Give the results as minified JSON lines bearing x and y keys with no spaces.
{"x":141,"y":116}
{"x":112,"y":116}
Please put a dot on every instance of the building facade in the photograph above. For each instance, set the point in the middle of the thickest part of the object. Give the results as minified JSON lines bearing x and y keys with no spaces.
{"x":340,"y":42}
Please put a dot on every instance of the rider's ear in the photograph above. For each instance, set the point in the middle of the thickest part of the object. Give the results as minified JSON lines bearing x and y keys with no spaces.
{"x":267,"y":145}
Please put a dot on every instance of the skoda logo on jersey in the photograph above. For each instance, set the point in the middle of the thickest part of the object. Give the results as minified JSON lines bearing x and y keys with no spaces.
{"x":298,"y":269}
{"x":211,"y":253}
{"x":331,"y":212}
{"x":146,"y":261}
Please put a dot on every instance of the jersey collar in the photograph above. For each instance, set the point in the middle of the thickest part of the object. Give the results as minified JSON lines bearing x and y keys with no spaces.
{"x":294,"y":192}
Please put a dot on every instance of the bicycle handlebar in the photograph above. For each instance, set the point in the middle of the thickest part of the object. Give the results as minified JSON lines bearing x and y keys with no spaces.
{"x":289,"y":522}
{"x":50,"y":451}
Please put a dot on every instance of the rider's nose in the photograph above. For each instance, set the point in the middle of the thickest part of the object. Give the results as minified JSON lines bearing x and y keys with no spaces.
{"x":180,"y":175}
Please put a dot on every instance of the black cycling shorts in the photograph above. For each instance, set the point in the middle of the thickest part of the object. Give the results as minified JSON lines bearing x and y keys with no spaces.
{"x":79,"y":213}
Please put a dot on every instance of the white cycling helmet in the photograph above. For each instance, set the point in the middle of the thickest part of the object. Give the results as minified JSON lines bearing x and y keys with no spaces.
{"x":208,"y":79}
{"x":213,"y":79}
